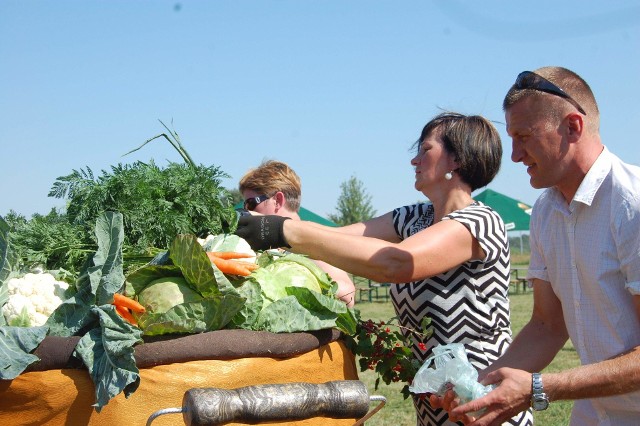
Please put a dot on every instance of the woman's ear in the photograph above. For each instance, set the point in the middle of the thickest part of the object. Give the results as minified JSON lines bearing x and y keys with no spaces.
{"x":280,"y":200}
{"x":453,"y":164}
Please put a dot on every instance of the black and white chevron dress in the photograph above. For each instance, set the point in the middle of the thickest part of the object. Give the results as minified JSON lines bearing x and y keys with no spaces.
{"x":466,"y":305}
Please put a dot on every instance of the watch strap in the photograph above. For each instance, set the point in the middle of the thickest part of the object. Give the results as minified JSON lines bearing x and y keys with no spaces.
{"x":539,"y":399}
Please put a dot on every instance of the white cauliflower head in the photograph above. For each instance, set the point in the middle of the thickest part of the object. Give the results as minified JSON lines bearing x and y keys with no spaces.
{"x":33,"y":298}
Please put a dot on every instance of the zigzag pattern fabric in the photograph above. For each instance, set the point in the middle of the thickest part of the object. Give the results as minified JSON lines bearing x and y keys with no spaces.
{"x":466,"y":305}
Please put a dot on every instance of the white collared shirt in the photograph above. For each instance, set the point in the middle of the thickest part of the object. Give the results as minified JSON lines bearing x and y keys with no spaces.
{"x":589,"y":251}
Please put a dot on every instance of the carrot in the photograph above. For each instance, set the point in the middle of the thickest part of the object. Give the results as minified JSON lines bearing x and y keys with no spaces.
{"x":124,"y":313}
{"x":127,"y":302}
{"x":249,"y":266}
{"x":232,"y":267}
{"x":230,"y":255}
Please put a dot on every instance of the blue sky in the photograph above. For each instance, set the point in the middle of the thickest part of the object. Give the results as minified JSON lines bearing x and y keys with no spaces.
{"x":335,"y":88}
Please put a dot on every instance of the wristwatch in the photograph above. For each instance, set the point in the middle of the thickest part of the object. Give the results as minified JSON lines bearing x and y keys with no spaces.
{"x":539,"y":399}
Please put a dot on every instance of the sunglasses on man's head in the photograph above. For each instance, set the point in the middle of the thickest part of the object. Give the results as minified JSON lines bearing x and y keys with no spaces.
{"x":533,"y":81}
{"x":251,"y":203}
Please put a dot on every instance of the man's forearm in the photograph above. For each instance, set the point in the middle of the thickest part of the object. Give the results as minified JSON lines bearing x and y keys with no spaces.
{"x":532,"y":349}
{"x":614,"y":376}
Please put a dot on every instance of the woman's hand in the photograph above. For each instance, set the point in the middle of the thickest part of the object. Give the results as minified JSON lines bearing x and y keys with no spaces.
{"x":448,"y":402}
{"x":262,"y":232}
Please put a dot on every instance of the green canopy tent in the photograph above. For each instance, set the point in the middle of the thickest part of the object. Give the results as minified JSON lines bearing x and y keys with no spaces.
{"x":307,"y":215}
{"x":312,"y":217}
{"x":514,"y":213}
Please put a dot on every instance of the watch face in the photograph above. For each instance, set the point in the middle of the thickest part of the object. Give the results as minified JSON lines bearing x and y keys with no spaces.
{"x":540,"y":403}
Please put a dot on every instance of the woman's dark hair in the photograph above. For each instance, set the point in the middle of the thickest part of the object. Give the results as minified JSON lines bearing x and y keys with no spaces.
{"x":474,"y":143}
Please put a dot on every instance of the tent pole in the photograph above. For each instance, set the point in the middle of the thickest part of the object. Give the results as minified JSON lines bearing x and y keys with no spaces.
{"x":520,"y":242}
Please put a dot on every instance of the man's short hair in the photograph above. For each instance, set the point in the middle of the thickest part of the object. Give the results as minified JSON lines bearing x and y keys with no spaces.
{"x":570,"y":82}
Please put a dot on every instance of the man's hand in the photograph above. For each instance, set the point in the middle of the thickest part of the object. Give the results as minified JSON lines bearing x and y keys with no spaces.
{"x":262,"y":232}
{"x":512,"y":396}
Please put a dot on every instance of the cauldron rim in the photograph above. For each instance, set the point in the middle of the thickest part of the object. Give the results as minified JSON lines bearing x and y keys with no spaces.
{"x":57,"y":352}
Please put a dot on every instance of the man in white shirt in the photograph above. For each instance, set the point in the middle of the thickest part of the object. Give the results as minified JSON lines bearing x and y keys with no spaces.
{"x":585,"y":263}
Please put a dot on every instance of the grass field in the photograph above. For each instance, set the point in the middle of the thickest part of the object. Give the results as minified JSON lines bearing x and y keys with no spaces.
{"x":400,"y":412}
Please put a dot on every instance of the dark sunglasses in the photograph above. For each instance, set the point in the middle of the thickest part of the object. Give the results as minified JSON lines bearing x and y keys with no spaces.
{"x":251,"y":203}
{"x":533,"y":81}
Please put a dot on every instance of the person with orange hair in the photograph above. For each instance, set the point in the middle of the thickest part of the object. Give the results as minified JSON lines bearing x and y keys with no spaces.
{"x":274,"y":188}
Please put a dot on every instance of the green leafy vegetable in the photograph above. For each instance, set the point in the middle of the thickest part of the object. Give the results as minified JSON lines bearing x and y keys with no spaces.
{"x":164,"y":293}
{"x":297,"y":296}
{"x":107,"y":351}
{"x":304,"y":310}
{"x":254,"y":302}
{"x":50,"y":241}
{"x":8,"y":262}
{"x":227,"y":242}
{"x":204,"y":300}
{"x":187,"y":253}
{"x":139,"y":279}
{"x":98,"y":281}
{"x":157,"y":202}
{"x":106,"y":346}
{"x":295,"y":270}
{"x":8,"y":257}
{"x":324,"y":306}
{"x":195,"y":317}
{"x":107,"y":276}
{"x":16,"y":343}
{"x":175,"y":307}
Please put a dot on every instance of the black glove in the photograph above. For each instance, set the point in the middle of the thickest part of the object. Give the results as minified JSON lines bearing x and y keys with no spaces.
{"x":262,"y":232}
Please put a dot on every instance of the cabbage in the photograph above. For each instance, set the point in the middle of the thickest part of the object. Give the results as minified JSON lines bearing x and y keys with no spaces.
{"x":165,"y":293}
{"x":298,"y":296}
{"x":183,"y":292}
{"x":228,"y":242}
{"x":292,"y":270}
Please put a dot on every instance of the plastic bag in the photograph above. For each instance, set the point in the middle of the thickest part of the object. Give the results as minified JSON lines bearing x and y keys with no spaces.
{"x":451,"y":369}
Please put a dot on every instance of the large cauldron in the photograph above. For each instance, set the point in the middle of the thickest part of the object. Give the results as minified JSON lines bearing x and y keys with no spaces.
{"x":59,"y":391}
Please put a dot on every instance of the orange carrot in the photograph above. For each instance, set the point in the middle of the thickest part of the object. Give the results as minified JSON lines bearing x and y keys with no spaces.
{"x":232,"y":267}
{"x":249,"y":266}
{"x":230,"y":255}
{"x":127,"y":302}
{"x":124,"y":313}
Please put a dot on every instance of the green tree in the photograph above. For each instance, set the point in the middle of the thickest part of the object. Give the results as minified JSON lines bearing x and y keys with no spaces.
{"x":354,"y":204}
{"x":234,"y":196}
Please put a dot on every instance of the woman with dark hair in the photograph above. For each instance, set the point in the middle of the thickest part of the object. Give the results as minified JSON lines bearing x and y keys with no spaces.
{"x":448,"y":258}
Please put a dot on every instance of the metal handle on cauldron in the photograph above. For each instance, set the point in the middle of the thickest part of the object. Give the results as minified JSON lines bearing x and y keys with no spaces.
{"x":340,"y":399}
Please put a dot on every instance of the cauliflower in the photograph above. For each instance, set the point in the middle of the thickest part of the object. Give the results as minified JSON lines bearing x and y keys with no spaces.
{"x":226,"y":242}
{"x":32,"y":299}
